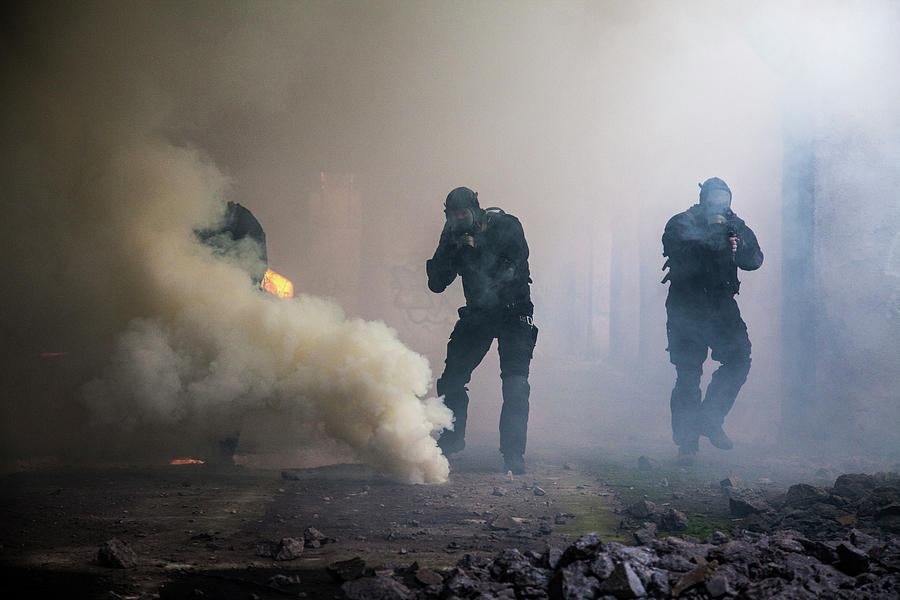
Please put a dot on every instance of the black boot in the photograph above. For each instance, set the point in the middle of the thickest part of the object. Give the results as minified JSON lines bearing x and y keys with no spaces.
{"x":718,"y":437}
{"x":451,"y":442}
{"x":514,"y":463}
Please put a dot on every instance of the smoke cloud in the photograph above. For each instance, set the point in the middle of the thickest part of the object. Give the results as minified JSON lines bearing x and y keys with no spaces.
{"x":104,"y":263}
{"x":342,"y":126}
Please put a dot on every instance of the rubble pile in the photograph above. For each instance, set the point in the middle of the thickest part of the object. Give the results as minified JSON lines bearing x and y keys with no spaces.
{"x":867,"y":502}
{"x":750,"y":566}
{"x":800,"y":546}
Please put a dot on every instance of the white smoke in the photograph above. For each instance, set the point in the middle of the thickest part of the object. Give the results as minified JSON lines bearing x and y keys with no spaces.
{"x":161,"y":334}
{"x":211,"y":346}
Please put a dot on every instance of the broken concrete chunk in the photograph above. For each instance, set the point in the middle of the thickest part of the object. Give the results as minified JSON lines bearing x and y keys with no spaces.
{"x":347,"y":570}
{"x":313,"y":538}
{"x":699,"y":575}
{"x":429,"y":577}
{"x":742,"y":506}
{"x":623,"y":582}
{"x":643,"y":509}
{"x":116,"y":554}
{"x":572,"y":583}
{"x":287,"y":549}
{"x":731,"y":483}
{"x":717,"y":586}
{"x":376,"y":588}
{"x":852,"y":560}
{"x":645,"y":534}
{"x":672,"y":520}
{"x":803,"y":494}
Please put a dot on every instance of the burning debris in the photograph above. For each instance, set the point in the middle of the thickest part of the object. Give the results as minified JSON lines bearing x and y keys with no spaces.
{"x":277,"y":285}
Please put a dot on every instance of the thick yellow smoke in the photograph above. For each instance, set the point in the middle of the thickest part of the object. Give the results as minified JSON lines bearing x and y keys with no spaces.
{"x":101,"y":198}
{"x":209,"y":345}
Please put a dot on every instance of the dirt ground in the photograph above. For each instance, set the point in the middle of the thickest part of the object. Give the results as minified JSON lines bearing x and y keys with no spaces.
{"x":196,"y":529}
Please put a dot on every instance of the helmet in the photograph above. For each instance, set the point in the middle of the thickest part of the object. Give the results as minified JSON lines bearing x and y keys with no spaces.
{"x":461,"y":197}
{"x":711,"y":197}
{"x":462,"y":210}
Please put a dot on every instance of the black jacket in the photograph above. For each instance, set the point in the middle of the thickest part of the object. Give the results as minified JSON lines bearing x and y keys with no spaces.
{"x":700,"y":260}
{"x":238,"y":224}
{"x":494,"y":273}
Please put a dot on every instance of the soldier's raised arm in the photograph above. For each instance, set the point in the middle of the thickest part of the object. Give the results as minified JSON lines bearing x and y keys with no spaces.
{"x":440,"y":266}
{"x":748,"y":256}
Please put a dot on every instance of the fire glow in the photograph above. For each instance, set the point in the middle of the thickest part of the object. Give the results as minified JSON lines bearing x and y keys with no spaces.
{"x":187,"y":461}
{"x":277,"y":284}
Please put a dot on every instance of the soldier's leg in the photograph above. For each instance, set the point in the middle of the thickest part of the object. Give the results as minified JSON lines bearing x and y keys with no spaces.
{"x":515,"y":343}
{"x":687,"y":351}
{"x":731,"y":347}
{"x":469,"y":342}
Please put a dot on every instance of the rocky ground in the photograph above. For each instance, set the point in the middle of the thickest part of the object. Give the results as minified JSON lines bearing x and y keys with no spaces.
{"x":736,"y":525}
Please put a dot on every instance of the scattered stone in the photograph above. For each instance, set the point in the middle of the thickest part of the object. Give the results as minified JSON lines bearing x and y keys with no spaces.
{"x":852,"y":560}
{"x":854,"y":485}
{"x":499,"y":491}
{"x":290,"y":476}
{"x":503,"y":523}
{"x":643,"y":509}
{"x":280,"y":580}
{"x":116,"y":554}
{"x":647,"y":464}
{"x":741,"y":506}
{"x":645,"y":535}
{"x":313,"y":538}
{"x":717,"y":586}
{"x":572,"y":583}
{"x":731,"y":483}
{"x":699,"y":575}
{"x":803,"y":494}
{"x":717,"y":538}
{"x":429,"y":577}
{"x":376,"y":588}
{"x":663,"y":483}
{"x":551,"y":557}
{"x":284,"y":549}
{"x":538,"y":491}
{"x":623,"y":582}
{"x":672,"y":520}
{"x":347,"y":570}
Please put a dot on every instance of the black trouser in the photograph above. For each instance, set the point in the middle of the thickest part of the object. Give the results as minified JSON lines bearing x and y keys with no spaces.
{"x":697,"y":323}
{"x":469,"y":342}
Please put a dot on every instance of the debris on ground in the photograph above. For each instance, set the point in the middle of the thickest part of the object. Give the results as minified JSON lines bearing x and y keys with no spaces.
{"x":116,"y":554}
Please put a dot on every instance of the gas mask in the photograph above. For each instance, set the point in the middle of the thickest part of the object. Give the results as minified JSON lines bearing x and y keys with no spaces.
{"x":462,"y":220}
{"x":716,"y":203}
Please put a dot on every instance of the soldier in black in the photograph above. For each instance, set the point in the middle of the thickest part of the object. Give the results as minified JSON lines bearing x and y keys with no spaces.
{"x":240,"y":238}
{"x":487,"y":249}
{"x":705,"y":246}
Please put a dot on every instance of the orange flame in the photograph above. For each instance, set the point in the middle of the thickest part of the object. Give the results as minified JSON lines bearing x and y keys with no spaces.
{"x":187,"y":461}
{"x":277,"y":284}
